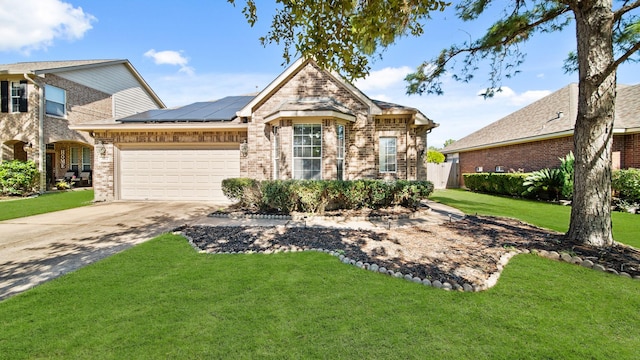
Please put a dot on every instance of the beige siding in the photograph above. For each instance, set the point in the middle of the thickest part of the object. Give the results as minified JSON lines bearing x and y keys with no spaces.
{"x":128,"y":95}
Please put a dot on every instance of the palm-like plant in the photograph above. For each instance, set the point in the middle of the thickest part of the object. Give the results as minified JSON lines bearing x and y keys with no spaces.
{"x":545,"y":181}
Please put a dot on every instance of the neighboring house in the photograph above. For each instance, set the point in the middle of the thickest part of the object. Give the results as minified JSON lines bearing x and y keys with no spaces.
{"x":307,"y":124}
{"x":40,"y":100}
{"x":535,"y":136}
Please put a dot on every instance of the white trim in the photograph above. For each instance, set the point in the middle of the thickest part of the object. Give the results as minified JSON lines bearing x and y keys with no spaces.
{"x":513,"y":142}
{"x":159,"y":126}
{"x":380,"y":153}
{"x":323,"y":114}
{"x":293,"y":147}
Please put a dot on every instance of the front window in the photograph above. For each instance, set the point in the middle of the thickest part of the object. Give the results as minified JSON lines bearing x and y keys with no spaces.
{"x":16,"y":94}
{"x":307,"y":152}
{"x":86,"y":159}
{"x":75,"y":159}
{"x":388,"y":154}
{"x":80,"y":159}
{"x":340,"y":155}
{"x":56,"y":101}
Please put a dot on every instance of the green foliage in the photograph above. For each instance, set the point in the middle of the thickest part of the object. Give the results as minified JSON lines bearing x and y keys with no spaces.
{"x":45,"y":203}
{"x":448,"y":142}
{"x":278,"y":195}
{"x":567,"y":168}
{"x":552,"y":183}
{"x":626,"y":185}
{"x":434,"y":156}
{"x":243,"y":190}
{"x":496,"y":183}
{"x":342,"y":35}
{"x":314,"y":196}
{"x":540,"y":213}
{"x":545,"y":183}
{"x":163,"y":300}
{"x":18,"y":177}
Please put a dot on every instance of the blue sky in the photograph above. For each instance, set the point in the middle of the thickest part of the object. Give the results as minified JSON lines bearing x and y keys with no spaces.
{"x":196,"y":50}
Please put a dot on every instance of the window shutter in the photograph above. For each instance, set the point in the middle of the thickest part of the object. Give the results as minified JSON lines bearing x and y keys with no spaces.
{"x":24,"y":96}
{"x":4,"y":94}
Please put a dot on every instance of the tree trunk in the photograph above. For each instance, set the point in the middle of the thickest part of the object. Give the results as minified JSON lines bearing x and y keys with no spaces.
{"x":593,"y":133}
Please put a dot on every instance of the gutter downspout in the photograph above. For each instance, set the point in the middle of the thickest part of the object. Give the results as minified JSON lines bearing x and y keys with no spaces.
{"x":41,"y":144}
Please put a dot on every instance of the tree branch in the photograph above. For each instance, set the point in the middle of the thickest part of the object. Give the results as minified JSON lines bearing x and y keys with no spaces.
{"x":611,"y":68}
{"x":617,"y":15}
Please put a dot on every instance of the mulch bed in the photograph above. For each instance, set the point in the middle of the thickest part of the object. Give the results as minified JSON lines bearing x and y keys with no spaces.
{"x":444,"y":251}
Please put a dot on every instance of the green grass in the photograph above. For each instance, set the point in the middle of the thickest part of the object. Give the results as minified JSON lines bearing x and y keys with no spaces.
{"x":12,"y":209}
{"x":164,"y":300}
{"x":626,"y":227}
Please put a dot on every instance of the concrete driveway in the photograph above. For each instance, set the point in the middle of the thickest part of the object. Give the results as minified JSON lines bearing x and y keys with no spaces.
{"x":38,"y":248}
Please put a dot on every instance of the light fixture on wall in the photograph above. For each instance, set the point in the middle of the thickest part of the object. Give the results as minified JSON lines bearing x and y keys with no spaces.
{"x":27,"y":147}
{"x":244,"y":149}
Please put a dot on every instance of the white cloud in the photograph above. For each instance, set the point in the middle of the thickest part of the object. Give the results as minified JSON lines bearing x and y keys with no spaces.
{"x":383,"y":79}
{"x":28,"y":25}
{"x":170,"y":57}
{"x":527,"y":97}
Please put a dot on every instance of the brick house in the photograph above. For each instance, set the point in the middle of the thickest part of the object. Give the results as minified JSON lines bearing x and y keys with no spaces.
{"x":535,"y":136}
{"x":41,"y":100}
{"x":308,"y":123}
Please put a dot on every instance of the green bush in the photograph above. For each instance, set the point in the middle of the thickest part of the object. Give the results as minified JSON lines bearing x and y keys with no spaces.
{"x":18,"y":177}
{"x":278,"y":195}
{"x":434,"y":156}
{"x":314,"y":196}
{"x":245,"y":191}
{"x":545,"y":183}
{"x":566,"y":166}
{"x":626,"y":185}
{"x":496,"y":183}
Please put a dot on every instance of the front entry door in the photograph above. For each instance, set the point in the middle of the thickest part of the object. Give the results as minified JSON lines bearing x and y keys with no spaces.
{"x":50,"y":166}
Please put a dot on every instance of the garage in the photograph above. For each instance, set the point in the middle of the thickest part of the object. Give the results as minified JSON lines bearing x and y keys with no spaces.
{"x":193,"y":174}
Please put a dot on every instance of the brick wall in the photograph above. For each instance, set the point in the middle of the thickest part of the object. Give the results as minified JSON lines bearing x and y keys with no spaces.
{"x":361,"y":148}
{"x":538,"y":155}
{"x":630,"y":150}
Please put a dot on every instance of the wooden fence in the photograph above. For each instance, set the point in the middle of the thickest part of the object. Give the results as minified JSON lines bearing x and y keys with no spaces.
{"x":445,"y":175}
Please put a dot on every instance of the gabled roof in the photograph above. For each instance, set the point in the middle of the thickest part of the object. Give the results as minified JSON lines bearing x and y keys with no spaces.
{"x":289,"y":73}
{"x":550,"y":117}
{"x":312,"y":106}
{"x":52,"y":67}
{"x":220,"y":110}
{"x":41,"y":67}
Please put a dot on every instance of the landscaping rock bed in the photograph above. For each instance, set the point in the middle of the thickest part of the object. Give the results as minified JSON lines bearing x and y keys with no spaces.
{"x":462,"y":255}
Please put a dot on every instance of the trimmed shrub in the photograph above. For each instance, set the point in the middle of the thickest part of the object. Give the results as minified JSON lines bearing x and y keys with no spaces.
{"x":314,"y":196}
{"x":18,"y":177}
{"x":496,"y":183}
{"x":278,"y":195}
{"x":245,"y":191}
{"x":626,"y":185}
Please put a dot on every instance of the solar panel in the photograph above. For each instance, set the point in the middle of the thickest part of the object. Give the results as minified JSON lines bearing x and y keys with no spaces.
{"x":220,"y":110}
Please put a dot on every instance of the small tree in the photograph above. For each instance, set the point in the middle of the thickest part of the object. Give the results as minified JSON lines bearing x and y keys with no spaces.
{"x":435,"y":156}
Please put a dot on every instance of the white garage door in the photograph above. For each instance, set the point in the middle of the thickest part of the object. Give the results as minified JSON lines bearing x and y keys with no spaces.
{"x":176,"y":174}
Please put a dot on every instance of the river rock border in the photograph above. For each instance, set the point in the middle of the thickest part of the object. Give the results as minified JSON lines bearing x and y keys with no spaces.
{"x":491,"y":281}
{"x":301,"y":217}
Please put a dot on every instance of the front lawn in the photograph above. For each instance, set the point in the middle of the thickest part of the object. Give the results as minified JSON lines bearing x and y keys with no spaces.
{"x":21,"y":207}
{"x":626,"y":227}
{"x":162,"y":299}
